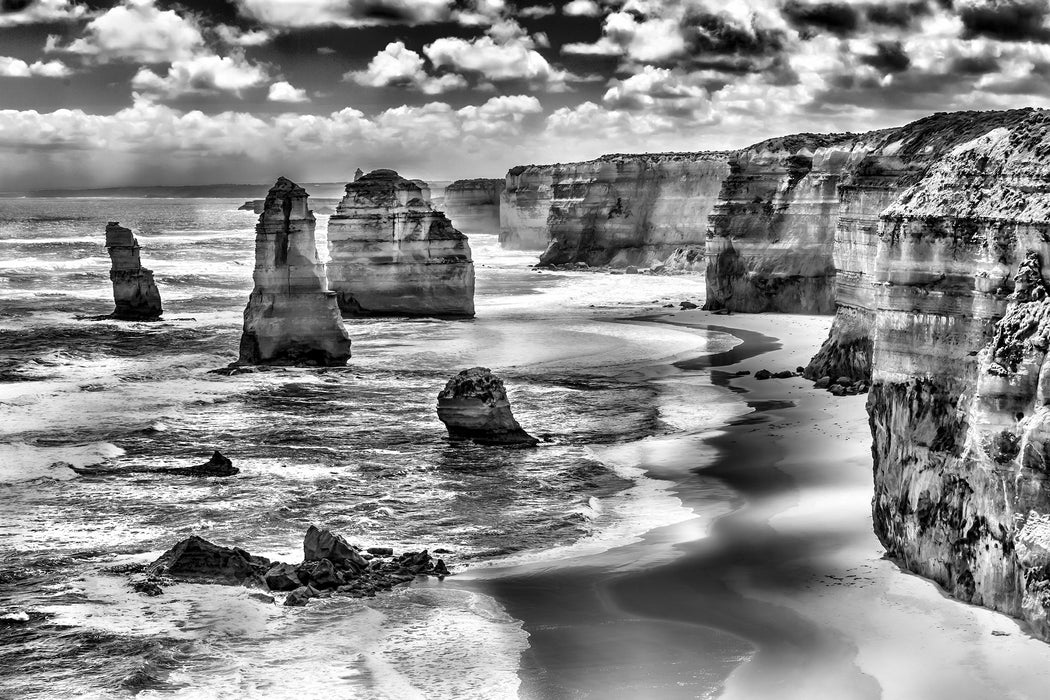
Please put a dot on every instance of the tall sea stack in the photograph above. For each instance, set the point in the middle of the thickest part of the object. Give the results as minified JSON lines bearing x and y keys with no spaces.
{"x":292,"y":317}
{"x":393,"y":254}
{"x":134,"y":291}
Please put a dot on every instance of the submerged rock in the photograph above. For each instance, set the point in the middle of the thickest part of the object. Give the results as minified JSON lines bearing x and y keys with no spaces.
{"x":218,"y":465}
{"x":474,"y":406}
{"x":292,"y":318}
{"x":134,"y":291}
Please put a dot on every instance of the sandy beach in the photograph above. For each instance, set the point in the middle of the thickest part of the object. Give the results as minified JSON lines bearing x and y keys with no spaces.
{"x":785,"y":592}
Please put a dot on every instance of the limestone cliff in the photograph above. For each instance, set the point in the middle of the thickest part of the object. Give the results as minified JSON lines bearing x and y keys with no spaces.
{"x":960,"y":378}
{"x":524,"y":207}
{"x":622,"y":210}
{"x":134,"y":291}
{"x":391,"y":253}
{"x":473,"y":205}
{"x":292,"y":317}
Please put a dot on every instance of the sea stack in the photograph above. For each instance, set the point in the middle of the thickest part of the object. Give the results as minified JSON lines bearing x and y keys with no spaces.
{"x":134,"y":291}
{"x":473,"y":205}
{"x":292,"y":317}
{"x":474,"y":406}
{"x":393,"y":254}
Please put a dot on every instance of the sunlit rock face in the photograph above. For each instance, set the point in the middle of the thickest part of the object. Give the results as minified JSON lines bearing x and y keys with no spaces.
{"x":474,"y":406}
{"x":771,"y":234}
{"x":392,"y":254}
{"x":622,"y":210}
{"x":953,"y":284}
{"x":292,"y":317}
{"x":134,"y":292}
{"x":473,"y":205}
{"x":525,"y":206}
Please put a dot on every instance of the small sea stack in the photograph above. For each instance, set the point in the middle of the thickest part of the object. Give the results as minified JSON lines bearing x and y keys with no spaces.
{"x":134,"y":291}
{"x":474,"y":406}
{"x":393,"y":254}
{"x":292,"y":318}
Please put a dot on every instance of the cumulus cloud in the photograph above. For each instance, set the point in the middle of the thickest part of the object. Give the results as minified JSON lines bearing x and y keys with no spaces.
{"x":344,"y":13}
{"x":201,"y":75}
{"x":283,"y":91}
{"x":17,"y":68}
{"x":536,"y":11}
{"x":511,"y":56}
{"x":136,"y":30}
{"x":648,"y":40}
{"x":398,"y":66}
{"x":662,"y":91}
{"x":235,"y":36}
{"x":582,"y":8}
{"x":15,"y":14}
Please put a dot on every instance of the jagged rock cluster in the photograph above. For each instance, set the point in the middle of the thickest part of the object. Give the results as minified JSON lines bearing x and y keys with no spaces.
{"x":474,"y":406}
{"x":392,"y":253}
{"x":330,"y":566}
{"x":134,"y":291}
{"x":473,"y":206}
{"x":292,"y":317}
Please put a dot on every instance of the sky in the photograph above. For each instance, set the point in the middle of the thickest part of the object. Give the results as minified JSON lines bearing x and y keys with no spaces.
{"x":139,"y":92}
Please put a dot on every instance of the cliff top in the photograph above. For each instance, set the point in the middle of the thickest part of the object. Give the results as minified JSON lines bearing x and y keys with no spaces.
{"x":117,"y":235}
{"x":475,"y":183}
{"x":285,"y":188}
{"x":622,"y":157}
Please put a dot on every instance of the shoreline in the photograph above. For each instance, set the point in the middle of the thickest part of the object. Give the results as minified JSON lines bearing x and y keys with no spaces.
{"x":786,"y":595}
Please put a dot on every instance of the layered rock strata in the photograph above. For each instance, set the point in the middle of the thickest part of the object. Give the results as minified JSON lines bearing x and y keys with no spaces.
{"x":474,"y":406}
{"x":525,"y":206}
{"x":393,"y":254}
{"x":960,"y":329}
{"x":134,"y":292}
{"x":292,"y":317}
{"x":473,"y":206}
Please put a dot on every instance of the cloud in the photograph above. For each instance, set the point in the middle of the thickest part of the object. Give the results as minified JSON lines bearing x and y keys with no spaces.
{"x":17,"y":68}
{"x":136,"y":30}
{"x":344,"y":13}
{"x":283,"y":91}
{"x":17,"y":13}
{"x":398,"y":66}
{"x":235,"y":36}
{"x":839,"y":18}
{"x":201,"y":75}
{"x":649,"y":40}
{"x":662,"y":91}
{"x":1007,"y":20}
{"x":582,"y":8}
{"x":536,"y":11}
{"x":510,"y":59}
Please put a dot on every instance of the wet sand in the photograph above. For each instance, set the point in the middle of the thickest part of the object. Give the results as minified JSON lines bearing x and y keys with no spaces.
{"x":786,"y":595}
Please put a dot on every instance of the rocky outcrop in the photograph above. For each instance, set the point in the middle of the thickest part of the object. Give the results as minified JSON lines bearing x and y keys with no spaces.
{"x":474,"y":406}
{"x":292,"y":317}
{"x":392,"y":254}
{"x":253,"y":205}
{"x":348,"y":572}
{"x":622,"y":210}
{"x":473,"y":205}
{"x":959,"y":331}
{"x":134,"y":291}
{"x":525,"y":206}
{"x":218,"y":465}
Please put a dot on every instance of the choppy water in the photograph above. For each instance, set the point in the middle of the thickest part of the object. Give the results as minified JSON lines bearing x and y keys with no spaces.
{"x":358,"y":450}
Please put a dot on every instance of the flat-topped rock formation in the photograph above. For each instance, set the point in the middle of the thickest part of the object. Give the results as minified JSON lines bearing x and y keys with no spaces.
{"x":134,"y":291}
{"x":524,"y":207}
{"x":292,"y":317}
{"x":393,"y":254}
{"x":473,"y":206}
{"x":474,"y":406}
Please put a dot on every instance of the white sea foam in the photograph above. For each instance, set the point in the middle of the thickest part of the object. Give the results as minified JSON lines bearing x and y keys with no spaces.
{"x":22,"y":462}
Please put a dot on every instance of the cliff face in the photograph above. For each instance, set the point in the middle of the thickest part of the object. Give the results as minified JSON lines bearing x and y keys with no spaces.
{"x":134,"y":291}
{"x":524,"y":207}
{"x":391,"y":253}
{"x":473,"y":206}
{"x":960,"y":378}
{"x":631,"y":210}
{"x":769,"y":245}
{"x":291,"y":317}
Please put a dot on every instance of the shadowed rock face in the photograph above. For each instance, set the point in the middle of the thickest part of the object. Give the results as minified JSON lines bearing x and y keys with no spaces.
{"x":392,"y":254}
{"x":292,"y":317}
{"x":473,"y":205}
{"x":474,"y":406}
{"x":134,"y":291}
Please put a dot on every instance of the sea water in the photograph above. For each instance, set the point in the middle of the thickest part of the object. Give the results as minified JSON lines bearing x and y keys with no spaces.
{"x":359,"y":451}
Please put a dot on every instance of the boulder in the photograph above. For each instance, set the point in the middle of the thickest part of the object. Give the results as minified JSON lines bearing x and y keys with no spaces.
{"x":823,"y":383}
{"x":320,"y":574}
{"x":282,"y":577}
{"x":686,"y":305}
{"x":763,"y":374}
{"x":324,"y":544}
{"x":380,"y":551}
{"x":474,"y":406}
{"x":299,"y":596}
{"x":197,"y":560}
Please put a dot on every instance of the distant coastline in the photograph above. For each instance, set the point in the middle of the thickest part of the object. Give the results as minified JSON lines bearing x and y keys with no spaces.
{"x":222,"y":191}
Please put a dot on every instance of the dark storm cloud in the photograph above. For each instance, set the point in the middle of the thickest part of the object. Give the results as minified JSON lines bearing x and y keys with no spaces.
{"x":836,"y":18}
{"x":1006,"y":20}
{"x":715,"y":34}
{"x":897,"y":15}
{"x":890,"y":57}
{"x":975,"y":65}
{"x":14,"y":5}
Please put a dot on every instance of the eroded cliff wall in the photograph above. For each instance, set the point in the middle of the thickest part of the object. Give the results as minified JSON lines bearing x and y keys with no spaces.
{"x":473,"y":206}
{"x":524,"y":207}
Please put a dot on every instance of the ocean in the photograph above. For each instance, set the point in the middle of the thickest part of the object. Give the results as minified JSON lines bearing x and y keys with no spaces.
{"x":358,"y":450}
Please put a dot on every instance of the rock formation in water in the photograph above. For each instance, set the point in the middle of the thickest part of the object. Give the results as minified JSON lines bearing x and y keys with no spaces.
{"x":524,"y":207}
{"x":134,"y":291}
{"x":474,"y":406}
{"x":218,"y":465}
{"x":253,"y":205}
{"x":391,"y":253}
{"x":473,"y":205}
{"x":292,"y":317}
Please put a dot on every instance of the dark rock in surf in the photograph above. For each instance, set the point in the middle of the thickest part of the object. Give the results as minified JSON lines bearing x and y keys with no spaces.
{"x":282,"y":577}
{"x":218,"y":465}
{"x":324,"y":544}
{"x":197,"y":560}
{"x":299,"y":596}
{"x":474,"y":406}
{"x":320,"y":574}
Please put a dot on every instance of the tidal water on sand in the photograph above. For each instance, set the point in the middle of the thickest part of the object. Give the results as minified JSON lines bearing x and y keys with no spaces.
{"x":358,"y":450}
